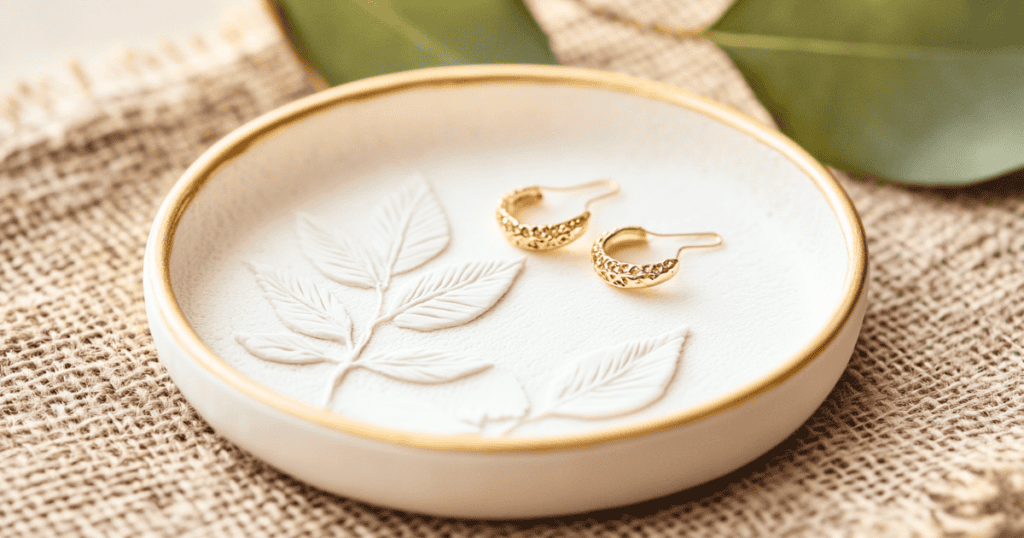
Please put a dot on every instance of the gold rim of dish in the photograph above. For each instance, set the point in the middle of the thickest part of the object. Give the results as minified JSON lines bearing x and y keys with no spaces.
{"x":251,"y":134}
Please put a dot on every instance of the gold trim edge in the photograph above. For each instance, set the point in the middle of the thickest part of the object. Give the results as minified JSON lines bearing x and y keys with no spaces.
{"x":263,"y":127}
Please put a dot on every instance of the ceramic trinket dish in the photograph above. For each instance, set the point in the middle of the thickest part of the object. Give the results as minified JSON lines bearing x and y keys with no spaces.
{"x":328,"y":287}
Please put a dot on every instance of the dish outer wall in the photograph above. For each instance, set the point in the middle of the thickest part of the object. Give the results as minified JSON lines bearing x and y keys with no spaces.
{"x":495,"y":483}
{"x":501,"y":485}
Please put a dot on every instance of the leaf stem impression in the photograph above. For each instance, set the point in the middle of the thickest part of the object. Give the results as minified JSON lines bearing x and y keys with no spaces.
{"x":612,"y":382}
{"x":338,"y":374}
{"x":409,"y":230}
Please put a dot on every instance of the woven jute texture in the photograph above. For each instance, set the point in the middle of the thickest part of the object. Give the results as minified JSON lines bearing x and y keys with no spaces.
{"x":923,"y":435}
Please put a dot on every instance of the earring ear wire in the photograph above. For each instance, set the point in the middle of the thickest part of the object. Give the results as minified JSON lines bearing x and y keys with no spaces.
{"x":545,"y":236}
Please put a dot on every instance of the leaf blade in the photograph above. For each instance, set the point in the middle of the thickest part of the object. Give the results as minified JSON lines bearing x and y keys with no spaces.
{"x":411,"y":227}
{"x":423,"y":366}
{"x":453,"y":295}
{"x":342,"y":260}
{"x":347,"y":40}
{"x":617,"y":380}
{"x":915,"y":92}
{"x":285,"y":348}
{"x":304,"y":307}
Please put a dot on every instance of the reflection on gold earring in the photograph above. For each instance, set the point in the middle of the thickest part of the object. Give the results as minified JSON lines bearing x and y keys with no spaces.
{"x":627,"y":275}
{"x":545,"y":236}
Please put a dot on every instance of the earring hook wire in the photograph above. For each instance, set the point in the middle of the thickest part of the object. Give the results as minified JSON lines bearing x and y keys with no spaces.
{"x":611,"y":184}
{"x":715,"y":238}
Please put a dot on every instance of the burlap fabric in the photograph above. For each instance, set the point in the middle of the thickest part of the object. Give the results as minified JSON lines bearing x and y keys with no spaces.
{"x":923,"y":436}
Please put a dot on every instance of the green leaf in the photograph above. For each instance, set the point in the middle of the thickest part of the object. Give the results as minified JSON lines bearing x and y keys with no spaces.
{"x":917,"y":91}
{"x":347,"y":40}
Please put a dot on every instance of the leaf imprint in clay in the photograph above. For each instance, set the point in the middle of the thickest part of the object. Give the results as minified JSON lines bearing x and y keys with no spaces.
{"x":612,"y":382}
{"x":339,"y":259}
{"x":617,"y":380}
{"x":453,"y":295}
{"x":286,"y":348}
{"x":424,"y":366}
{"x":304,"y":307}
{"x":408,"y":229}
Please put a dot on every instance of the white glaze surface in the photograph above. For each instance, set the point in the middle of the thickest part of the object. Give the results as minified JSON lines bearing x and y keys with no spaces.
{"x":749,"y":306}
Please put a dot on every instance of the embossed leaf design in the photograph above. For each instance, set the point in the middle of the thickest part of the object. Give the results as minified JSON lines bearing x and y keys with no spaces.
{"x":341,"y":259}
{"x":412,"y":228}
{"x":616,"y":380}
{"x":286,"y":348}
{"x":453,"y":295}
{"x":302,"y":306}
{"x":423,"y":365}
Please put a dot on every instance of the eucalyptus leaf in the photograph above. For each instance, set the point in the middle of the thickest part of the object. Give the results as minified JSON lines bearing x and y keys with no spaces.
{"x":915,"y":91}
{"x":346,"y":40}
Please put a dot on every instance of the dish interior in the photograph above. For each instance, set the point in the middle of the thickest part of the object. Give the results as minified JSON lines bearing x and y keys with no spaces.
{"x":750,"y":306}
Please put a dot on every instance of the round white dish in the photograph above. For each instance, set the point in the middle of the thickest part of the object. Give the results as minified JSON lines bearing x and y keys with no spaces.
{"x":458,"y":375}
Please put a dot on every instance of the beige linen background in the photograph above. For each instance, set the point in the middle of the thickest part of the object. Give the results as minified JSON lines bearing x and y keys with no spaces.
{"x":923,"y":435}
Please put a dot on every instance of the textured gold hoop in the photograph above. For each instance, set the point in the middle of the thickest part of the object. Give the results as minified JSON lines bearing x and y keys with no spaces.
{"x":627,"y":275}
{"x":546,"y":236}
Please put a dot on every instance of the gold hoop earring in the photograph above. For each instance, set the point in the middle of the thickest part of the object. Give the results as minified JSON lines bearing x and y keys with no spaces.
{"x":627,"y":275}
{"x":546,"y":236}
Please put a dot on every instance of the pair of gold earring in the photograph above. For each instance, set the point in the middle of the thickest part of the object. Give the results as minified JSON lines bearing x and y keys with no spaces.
{"x":551,"y":236}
